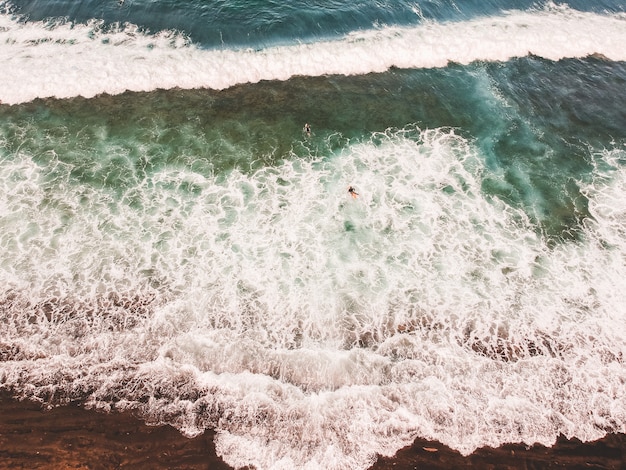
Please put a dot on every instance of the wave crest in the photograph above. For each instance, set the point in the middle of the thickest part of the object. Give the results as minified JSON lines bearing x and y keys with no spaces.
{"x":65,"y":60}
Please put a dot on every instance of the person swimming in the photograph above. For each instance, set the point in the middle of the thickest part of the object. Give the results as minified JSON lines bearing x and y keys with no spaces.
{"x":352,"y":192}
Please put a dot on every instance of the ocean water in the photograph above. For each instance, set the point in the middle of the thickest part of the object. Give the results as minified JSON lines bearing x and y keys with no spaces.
{"x":173,"y":244}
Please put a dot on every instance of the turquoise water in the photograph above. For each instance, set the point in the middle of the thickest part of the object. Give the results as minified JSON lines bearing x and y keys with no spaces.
{"x":514,"y":125}
{"x":173,"y":243}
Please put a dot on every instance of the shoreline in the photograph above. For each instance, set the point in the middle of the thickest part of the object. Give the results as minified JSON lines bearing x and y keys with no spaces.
{"x":71,"y":437}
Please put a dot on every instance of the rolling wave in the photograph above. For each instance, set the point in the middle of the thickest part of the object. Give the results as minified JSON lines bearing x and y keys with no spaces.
{"x":64,"y":60}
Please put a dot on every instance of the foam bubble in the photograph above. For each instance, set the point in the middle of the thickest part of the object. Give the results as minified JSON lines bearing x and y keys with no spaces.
{"x":65,"y":60}
{"x":311,"y":329}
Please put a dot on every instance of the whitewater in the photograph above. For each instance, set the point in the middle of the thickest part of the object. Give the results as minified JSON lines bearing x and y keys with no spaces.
{"x":61,"y":59}
{"x":320,"y":330}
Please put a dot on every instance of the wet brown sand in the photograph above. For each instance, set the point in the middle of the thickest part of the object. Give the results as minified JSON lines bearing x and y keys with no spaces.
{"x":70,"y":437}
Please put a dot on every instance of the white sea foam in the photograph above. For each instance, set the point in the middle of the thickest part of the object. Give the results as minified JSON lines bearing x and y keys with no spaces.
{"x":66,"y":60}
{"x":310,"y":329}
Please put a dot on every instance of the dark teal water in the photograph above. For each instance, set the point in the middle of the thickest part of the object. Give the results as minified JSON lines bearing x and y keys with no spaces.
{"x":262,"y":22}
{"x":174,"y":243}
{"x":529,"y":115}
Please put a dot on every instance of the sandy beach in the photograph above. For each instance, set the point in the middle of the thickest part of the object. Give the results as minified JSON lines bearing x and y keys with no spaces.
{"x":33,"y":437}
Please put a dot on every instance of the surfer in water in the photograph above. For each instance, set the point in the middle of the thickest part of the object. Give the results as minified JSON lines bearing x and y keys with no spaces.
{"x":352,"y":191}
{"x":307,"y":128}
